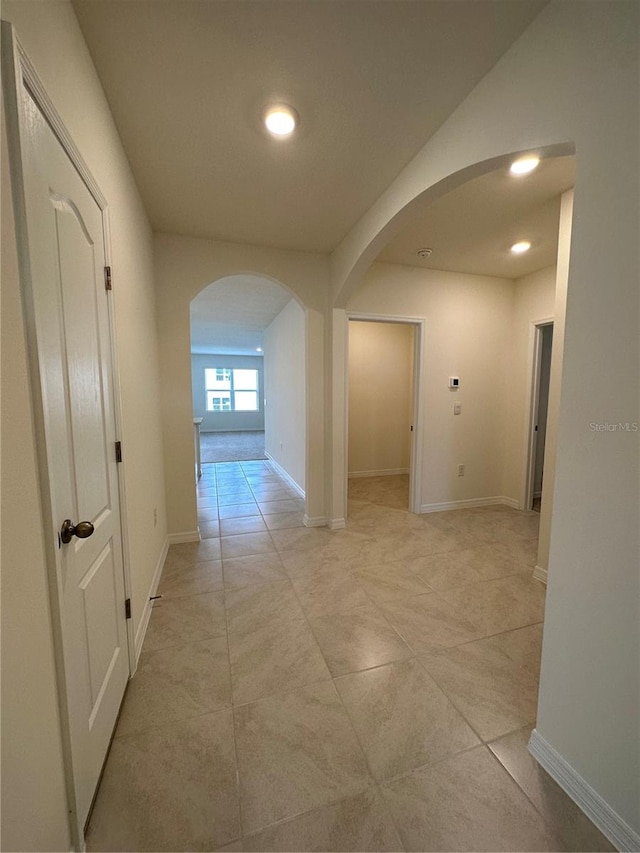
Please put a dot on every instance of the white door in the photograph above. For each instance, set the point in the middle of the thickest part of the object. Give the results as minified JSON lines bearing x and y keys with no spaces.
{"x":68,"y":309}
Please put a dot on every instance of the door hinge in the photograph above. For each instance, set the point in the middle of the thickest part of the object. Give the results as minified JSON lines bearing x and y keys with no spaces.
{"x":118,"y":451}
{"x":107,"y":278}
{"x":127,"y":608}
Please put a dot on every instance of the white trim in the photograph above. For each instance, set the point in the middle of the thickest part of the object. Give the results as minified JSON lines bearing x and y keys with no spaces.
{"x":146,"y":613}
{"x":531,"y":413}
{"x":337,"y":524}
{"x":599,"y":812}
{"x":500,"y":500}
{"x":314,"y":521}
{"x":387,"y":472}
{"x":541,"y":574}
{"x":285,"y":476}
{"x":187,"y":536}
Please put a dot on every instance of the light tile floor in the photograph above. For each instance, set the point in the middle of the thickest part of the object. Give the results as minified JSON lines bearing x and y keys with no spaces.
{"x":365,"y":689}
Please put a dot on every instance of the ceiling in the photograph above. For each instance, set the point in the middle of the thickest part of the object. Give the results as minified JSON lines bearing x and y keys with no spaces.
{"x":187,"y":81}
{"x":229,"y":317}
{"x":472,"y":228}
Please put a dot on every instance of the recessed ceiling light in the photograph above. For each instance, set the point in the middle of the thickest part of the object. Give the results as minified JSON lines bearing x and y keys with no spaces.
{"x":280,"y":120}
{"x":258,"y":349}
{"x":524,"y":165}
{"x":522,"y":246}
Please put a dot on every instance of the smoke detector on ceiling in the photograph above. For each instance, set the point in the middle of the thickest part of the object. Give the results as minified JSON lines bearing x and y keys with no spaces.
{"x":423,"y":254}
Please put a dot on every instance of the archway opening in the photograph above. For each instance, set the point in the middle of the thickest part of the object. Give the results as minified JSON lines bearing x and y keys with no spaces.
{"x":248,"y":343}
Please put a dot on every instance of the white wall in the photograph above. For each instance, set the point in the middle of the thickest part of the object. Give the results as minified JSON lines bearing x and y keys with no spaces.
{"x":285,"y":391}
{"x":570,"y":82}
{"x":216,"y":421}
{"x":31,"y":753}
{"x":467,"y":335}
{"x":184,"y":266}
{"x":380,"y":397}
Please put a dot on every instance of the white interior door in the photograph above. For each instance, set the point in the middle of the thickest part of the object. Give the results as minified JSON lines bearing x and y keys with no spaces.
{"x":63,"y":264}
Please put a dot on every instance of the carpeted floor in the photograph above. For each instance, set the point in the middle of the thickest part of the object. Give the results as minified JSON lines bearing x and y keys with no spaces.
{"x":231,"y":446}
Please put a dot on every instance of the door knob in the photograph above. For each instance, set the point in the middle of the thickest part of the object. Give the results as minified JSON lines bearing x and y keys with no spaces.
{"x":83,"y":529}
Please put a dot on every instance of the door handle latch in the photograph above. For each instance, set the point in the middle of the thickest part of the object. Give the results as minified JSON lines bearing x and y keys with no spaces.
{"x":83,"y":529}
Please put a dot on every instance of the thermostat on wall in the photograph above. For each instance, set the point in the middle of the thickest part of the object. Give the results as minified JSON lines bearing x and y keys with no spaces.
{"x":454,"y":382}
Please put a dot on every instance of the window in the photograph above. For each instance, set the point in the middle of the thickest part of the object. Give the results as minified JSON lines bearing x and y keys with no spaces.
{"x":231,"y":389}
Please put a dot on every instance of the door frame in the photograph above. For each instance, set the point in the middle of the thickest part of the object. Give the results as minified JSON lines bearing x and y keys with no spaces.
{"x":534,"y":368}
{"x":19,"y":75}
{"x":417,"y":404}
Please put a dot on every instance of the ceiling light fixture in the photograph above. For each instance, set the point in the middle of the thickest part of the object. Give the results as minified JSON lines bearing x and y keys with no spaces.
{"x":524,"y":165}
{"x":423,"y":254}
{"x":522,"y":246}
{"x":258,"y":349}
{"x":280,"y":120}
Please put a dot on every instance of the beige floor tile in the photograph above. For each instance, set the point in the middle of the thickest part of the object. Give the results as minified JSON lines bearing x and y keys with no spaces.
{"x":402,"y":718}
{"x":169,"y":788}
{"x":359,"y":639}
{"x":466,"y":803}
{"x":265,"y":604}
{"x":191,"y":580}
{"x":494,"y":681}
{"x":358,"y":823}
{"x":237,"y":496}
{"x":246,"y":524}
{"x":190,"y":553}
{"x":560,"y":812}
{"x":428,"y":623}
{"x":296,"y":752}
{"x":207,"y":514}
{"x":284,"y":520}
{"x":176,"y":683}
{"x":177,"y":621}
{"x":287,"y":505}
{"x":209,"y":530}
{"x":387,"y":581}
{"x":238,"y":510}
{"x":256,"y":568}
{"x":500,"y":605}
{"x":245,"y":544}
{"x":301,"y":538}
{"x":447,"y":570}
{"x":328,"y":591}
{"x":276,"y":658}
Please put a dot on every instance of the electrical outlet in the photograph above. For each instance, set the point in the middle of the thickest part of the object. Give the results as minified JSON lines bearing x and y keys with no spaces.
{"x":155,"y":516}
{"x":460,"y":470}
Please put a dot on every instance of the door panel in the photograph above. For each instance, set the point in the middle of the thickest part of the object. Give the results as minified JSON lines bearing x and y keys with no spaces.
{"x":70,"y":334}
{"x":77,"y":261}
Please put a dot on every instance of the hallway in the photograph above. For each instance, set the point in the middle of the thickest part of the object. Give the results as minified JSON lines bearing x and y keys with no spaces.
{"x":371,"y":688}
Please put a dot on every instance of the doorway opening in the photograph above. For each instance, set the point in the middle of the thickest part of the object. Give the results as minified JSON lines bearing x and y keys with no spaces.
{"x":248,"y":356}
{"x":383,"y":410}
{"x":540,"y":378}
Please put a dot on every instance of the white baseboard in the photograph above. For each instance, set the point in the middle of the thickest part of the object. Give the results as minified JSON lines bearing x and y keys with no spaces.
{"x":314,"y":521}
{"x":187,"y":536}
{"x":387,"y":472}
{"x":146,"y":613}
{"x":599,"y":812}
{"x":285,"y":476}
{"x":541,"y":574}
{"x":337,"y":524}
{"x":471,"y":502}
